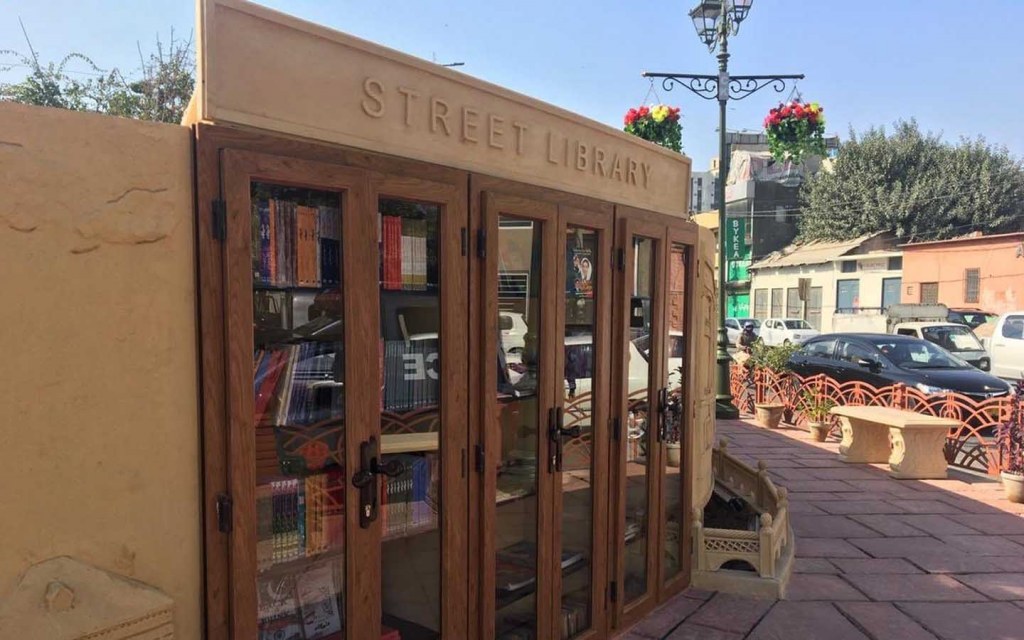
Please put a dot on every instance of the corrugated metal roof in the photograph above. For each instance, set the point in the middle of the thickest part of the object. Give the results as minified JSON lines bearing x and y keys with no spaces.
{"x":816,"y":252}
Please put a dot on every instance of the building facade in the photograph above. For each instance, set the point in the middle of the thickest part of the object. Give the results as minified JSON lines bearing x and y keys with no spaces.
{"x":984,"y":272}
{"x":703,"y":191}
{"x":859,"y":275}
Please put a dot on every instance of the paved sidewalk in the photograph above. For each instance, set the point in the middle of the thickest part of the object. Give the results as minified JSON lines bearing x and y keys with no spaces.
{"x":876,"y":558}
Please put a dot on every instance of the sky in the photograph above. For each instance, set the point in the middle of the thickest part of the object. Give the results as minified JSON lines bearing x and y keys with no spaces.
{"x":955,"y":66}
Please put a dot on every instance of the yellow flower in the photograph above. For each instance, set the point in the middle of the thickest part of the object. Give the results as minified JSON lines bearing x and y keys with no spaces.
{"x":659,"y":113}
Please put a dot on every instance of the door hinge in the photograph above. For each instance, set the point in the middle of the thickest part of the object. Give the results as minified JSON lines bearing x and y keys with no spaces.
{"x":219,"y":211}
{"x":620,"y":258}
{"x":479,"y":457}
{"x":616,"y":429}
{"x":481,"y":243}
{"x":464,"y":233}
{"x":224,"y":513}
{"x":613,"y":591}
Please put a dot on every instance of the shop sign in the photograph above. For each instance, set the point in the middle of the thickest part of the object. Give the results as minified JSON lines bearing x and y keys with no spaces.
{"x":735,"y":238}
{"x":874,"y":264}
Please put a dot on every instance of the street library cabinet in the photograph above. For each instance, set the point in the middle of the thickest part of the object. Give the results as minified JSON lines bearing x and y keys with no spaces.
{"x":456,"y":349}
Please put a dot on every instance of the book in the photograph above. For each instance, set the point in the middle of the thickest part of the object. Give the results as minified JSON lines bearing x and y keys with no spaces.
{"x":317,"y":594}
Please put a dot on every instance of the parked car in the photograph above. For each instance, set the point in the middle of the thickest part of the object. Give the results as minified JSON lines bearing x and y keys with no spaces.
{"x":1006,"y":346}
{"x":885,"y":359}
{"x":957,"y":339}
{"x":779,"y":331}
{"x":973,"y":318}
{"x":733,"y":327}
{"x":513,"y":331}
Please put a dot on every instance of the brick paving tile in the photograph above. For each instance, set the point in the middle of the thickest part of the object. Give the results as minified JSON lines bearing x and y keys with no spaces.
{"x":806,"y":486}
{"x":936,"y":525}
{"x":875,"y":566}
{"x":698,"y":594}
{"x":1020,"y":603}
{"x":998,"y":586}
{"x":971,"y":505}
{"x":827,"y":548}
{"x":813,"y":565}
{"x":805,"y":621}
{"x":965,"y":563}
{"x":1018,"y":539}
{"x":822,"y":463}
{"x":910,"y":587}
{"x":924,"y":506}
{"x":860,"y":507}
{"x":995,"y":524}
{"x":805,"y":508}
{"x":891,"y":487}
{"x":728,"y":612}
{"x":827,"y":526}
{"x":816,"y":586}
{"x":687,"y":631}
{"x":900,"y":547}
{"x":884,"y":621}
{"x":887,"y":525}
{"x":789,"y":474}
{"x":855,"y":475}
{"x":811,"y":496}
{"x":968,"y":621}
{"x":663,"y":619}
{"x":979,"y":545}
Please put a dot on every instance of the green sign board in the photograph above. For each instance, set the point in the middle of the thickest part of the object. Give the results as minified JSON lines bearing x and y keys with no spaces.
{"x":735,"y":238}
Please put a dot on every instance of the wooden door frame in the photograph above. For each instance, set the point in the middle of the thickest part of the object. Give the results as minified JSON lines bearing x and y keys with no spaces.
{"x":631,"y":222}
{"x":240,"y":169}
{"x":453,"y":383}
{"x":602,"y":222}
{"x":682,"y":232}
{"x":210,"y":142}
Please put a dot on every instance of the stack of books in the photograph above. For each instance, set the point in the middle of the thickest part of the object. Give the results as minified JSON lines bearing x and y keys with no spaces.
{"x":411,"y":372}
{"x":295,"y":245}
{"x":403,"y":253}
{"x":299,"y":518}
{"x":408,"y":503}
{"x":302,"y":605}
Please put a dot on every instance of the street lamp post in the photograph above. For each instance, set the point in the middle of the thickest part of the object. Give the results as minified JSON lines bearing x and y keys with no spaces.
{"x":715,"y":21}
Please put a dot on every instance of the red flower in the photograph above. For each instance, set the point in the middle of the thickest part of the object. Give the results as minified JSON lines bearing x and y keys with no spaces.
{"x":643,"y":111}
{"x":784,"y":112}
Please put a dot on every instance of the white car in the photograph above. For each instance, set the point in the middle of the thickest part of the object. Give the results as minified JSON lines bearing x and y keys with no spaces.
{"x":1006,"y":346}
{"x":734,"y":326}
{"x":513,"y":331}
{"x":579,"y":367}
{"x":785,"y":331}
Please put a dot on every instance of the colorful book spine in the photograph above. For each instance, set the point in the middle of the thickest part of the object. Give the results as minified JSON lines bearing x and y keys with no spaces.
{"x":272,"y":216}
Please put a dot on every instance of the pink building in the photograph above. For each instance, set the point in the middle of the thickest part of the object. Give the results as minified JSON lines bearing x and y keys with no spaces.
{"x":984,"y":272}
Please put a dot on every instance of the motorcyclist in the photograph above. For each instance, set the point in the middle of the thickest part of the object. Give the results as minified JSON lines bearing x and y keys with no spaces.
{"x":745,"y":342}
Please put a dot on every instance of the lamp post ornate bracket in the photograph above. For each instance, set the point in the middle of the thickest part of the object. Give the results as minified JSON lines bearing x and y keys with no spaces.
{"x":708,"y":87}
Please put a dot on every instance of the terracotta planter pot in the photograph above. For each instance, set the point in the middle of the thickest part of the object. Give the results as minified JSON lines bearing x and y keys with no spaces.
{"x":1013,"y":484}
{"x":672,"y":454}
{"x":769,"y":415}
{"x":819,"y":430}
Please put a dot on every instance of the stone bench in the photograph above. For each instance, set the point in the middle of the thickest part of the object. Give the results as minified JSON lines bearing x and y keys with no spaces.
{"x":912,"y":443}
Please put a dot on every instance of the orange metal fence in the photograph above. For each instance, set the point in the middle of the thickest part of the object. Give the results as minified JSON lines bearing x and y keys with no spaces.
{"x":972,"y":445}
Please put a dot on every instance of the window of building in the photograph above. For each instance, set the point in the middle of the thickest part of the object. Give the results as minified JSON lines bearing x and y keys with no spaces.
{"x":891,"y":291}
{"x":776,"y":303}
{"x":814,"y":308}
{"x":848,"y":266}
{"x":972,"y":285}
{"x":929,"y":293}
{"x":895,"y":264}
{"x":761,"y":303}
{"x":793,"y":302}
{"x":847,"y":295}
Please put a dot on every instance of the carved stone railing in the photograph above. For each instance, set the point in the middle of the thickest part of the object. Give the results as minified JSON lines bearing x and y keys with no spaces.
{"x":768,"y":549}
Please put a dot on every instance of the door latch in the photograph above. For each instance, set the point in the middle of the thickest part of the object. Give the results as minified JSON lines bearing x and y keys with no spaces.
{"x":366,"y":479}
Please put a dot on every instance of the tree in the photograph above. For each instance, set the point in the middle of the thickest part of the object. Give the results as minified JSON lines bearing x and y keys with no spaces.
{"x":914,"y":185}
{"x":160,"y":93}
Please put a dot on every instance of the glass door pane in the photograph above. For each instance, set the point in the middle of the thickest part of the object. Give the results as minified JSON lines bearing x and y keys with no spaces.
{"x":299,"y":411}
{"x":577,"y":460}
{"x":637,"y":429}
{"x":519,"y":251}
{"x":410,"y":419}
{"x":671,"y":414}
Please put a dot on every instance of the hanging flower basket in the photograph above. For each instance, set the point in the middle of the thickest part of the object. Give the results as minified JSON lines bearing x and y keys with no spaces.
{"x":794,"y":130}
{"x":658,"y":124}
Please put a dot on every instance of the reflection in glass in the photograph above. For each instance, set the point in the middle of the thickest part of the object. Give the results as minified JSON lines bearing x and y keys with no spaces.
{"x":637,"y":426}
{"x":519,"y":288}
{"x":581,"y":281}
{"x":672,"y":424}
{"x":410,"y":404}
{"x":299,"y":407}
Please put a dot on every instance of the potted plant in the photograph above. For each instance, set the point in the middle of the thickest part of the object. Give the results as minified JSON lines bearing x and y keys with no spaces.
{"x":816,"y":409}
{"x":658,"y":124}
{"x":768,"y":413}
{"x":795,"y":129}
{"x":1011,"y":446}
{"x":673,"y":416}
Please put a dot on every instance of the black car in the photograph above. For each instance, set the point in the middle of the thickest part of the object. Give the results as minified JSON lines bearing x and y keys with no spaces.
{"x":882,"y":359}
